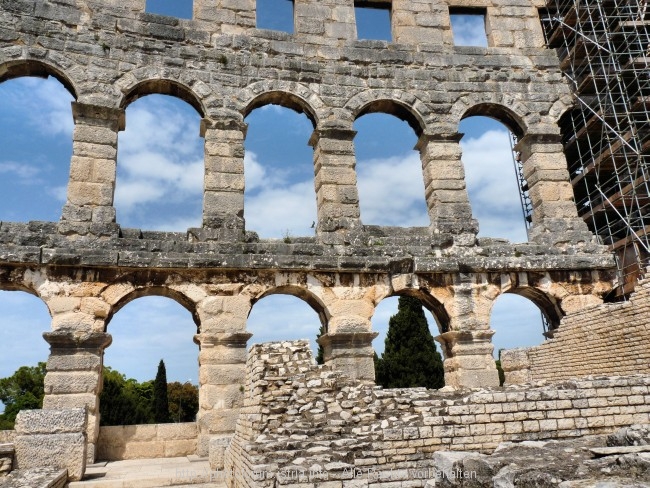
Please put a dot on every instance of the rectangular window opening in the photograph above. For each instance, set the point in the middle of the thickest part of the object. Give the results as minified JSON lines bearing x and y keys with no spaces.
{"x":181,"y":9}
{"x":373,"y":20}
{"x":468,"y":26}
{"x":275,"y":15}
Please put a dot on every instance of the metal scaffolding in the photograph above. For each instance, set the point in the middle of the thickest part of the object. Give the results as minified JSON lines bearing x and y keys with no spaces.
{"x":603,"y":48}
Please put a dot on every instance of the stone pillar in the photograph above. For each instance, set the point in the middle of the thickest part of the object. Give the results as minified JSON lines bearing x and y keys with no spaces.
{"x":222,"y":365}
{"x":351,"y":353}
{"x":467,"y":345}
{"x":226,"y":16}
{"x":347,"y":344}
{"x":468,"y":358}
{"x":517,"y":28}
{"x":335,"y":181}
{"x":89,"y":207}
{"x":74,"y":376}
{"x":223,"y":197}
{"x":332,"y":19}
{"x":555,"y":217}
{"x":421,"y":23}
{"x":222,"y":371}
{"x":444,"y":182}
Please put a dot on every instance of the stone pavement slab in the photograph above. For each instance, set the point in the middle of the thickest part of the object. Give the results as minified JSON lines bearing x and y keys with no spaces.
{"x":149,"y":473}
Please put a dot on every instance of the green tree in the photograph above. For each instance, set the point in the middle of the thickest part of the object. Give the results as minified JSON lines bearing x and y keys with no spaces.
{"x":320,"y":355}
{"x":183,"y":401}
{"x":23,"y":390}
{"x":160,"y":400}
{"x":125,"y":401}
{"x":410,"y":357}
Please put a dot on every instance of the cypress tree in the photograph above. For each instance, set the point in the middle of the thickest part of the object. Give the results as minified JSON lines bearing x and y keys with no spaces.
{"x":320,"y":355}
{"x":410,"y":357}
{"x":160,"y":400}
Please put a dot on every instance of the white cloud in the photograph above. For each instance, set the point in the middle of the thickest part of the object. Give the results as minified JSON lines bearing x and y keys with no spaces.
{"x":160,"y":166}
{"x":24,"y":172}
{"x":47,"y":103}
{"x":469,"y":30}
{"x":492,"y":185}
{"x":391,"y":191}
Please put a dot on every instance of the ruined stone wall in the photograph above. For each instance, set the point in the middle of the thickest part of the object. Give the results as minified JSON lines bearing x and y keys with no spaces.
{"x":87,"y":266}
{"x":299,"y":417}
{"x":609,"y":339}
{"x":147,"y":441}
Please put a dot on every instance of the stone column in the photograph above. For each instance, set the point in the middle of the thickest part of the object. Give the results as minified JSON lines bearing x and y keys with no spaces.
{"x":444,"y":182}
{"x":74,"y":376}
{"x":222,"y":365}
{"x":467,"y":345}
{"x":335,"y":181}
{"x":352,"y":353}
{"x":555,"y":217}
{"x":227,"y":17}
{"x":468,"y":358}
{"x":332,"y":19}
{"x":421,"y":23}
{"x":223,"y":197}
{"x":347,"y":344}
{"x":89,"y":207}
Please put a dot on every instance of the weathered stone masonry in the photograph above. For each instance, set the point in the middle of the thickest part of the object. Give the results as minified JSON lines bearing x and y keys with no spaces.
{"x":86,"y":266}
{"x":306,"y":419}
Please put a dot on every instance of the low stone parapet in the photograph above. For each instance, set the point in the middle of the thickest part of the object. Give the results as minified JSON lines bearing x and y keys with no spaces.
{"x":147,"y":441}
{"x":52,"y":438}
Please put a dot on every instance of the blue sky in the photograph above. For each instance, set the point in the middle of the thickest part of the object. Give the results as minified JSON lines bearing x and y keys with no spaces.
{"x":159,"y":185}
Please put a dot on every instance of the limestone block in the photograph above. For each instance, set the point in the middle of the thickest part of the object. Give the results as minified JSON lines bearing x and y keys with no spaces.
{"x":58,"y":305}
{"x":83,"y":193}
{"x":92,"y":150}
{"x":95,"y":134}
{"x":69,"y":421}
{"x":224,"y":181}
{"x":223,"y":202}
{"x":144,"y":450}
{"x":222,"y":354}
{"x":80,"y":400}
{"x":177,"y":431}
{"x":71,"y":382}
{"x":222,"y":374}
{"x":81,"y":361}
{"x":220,"y":396}
{"x":180,"y":447}
{"x":218,"y":421}
{"x":56,"y":450}
{"x":217,"y":451}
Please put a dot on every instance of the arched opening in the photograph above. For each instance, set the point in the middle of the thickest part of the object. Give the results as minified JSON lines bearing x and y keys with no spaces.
{"x":36,"y":139}
{"x":497,"y":190}
{"x":406,"y":354}
{"x":286,"y":314}
{"x":389,"y":170}
{"x":160,"y":161}
{"x":147,"y":329}
{"x":280,"y":199}
{"x":23,"y":354}
{"x":522,"y":317}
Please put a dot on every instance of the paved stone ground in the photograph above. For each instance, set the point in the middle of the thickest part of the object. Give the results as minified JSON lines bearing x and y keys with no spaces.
{"x":149,"y":473}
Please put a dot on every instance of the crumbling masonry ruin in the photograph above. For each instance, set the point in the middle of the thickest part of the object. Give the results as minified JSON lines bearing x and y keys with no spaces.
{"x":86,"y":266}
